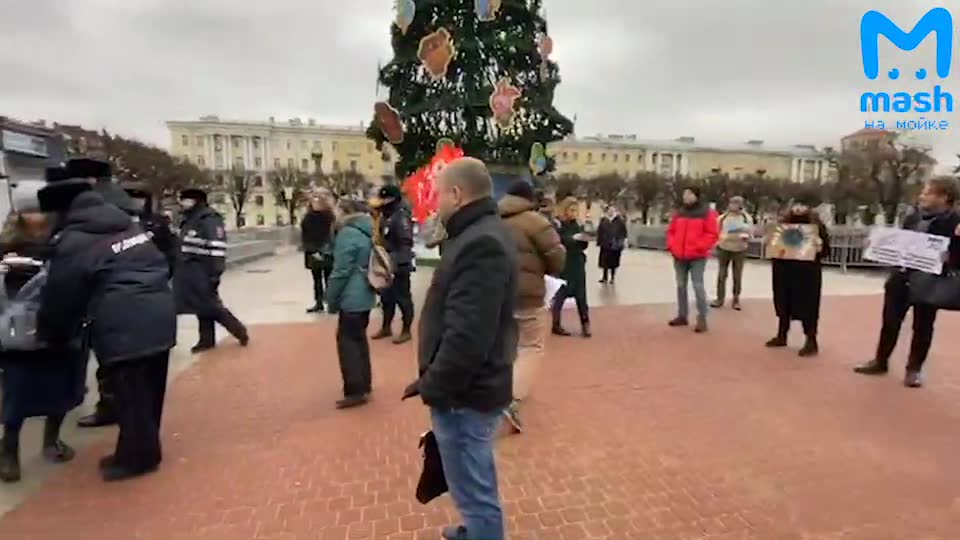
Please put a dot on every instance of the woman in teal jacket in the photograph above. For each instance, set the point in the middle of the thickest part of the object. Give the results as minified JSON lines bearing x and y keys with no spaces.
{"x":350,"y":295}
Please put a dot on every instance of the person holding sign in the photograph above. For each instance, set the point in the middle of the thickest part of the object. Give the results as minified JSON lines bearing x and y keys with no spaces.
{"x":797,"y":282}
{"x":934,"y":215}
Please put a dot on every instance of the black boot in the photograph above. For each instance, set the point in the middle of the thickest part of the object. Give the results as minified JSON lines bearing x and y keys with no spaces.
{"x":403,"y":337}
{"x":55,"y":450}
{"x":384,"y":333}
{"x":873,"y":367}
{"x":585,"y":330}
{"x":10,"y":457}
{"x":103,"y":415}
{"x":783,"y":327}
{"x":810,"y":348}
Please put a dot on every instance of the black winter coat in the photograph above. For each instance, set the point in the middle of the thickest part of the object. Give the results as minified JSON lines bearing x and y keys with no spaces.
{"x":158,"y":227}
{"x":104,"y":270}
{"x":203,"y":253}
{"x":942,"y":225}
{"x":797,"y":285}
{"x":397,"y":234}
{"x":316,"y":235}
{"x":468,"y":336}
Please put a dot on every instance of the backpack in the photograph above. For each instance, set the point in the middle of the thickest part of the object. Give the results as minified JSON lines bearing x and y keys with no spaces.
{"x":379,"y":267}
{"x":18,"y":315}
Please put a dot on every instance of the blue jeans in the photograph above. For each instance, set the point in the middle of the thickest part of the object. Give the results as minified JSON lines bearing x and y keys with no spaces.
{"x":465,"y":440}
{"x":686,"y":270}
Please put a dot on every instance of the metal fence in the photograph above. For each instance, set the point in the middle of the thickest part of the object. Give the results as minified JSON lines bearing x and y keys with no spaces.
{"x":248,"y":245}
{"x":846,"y":244}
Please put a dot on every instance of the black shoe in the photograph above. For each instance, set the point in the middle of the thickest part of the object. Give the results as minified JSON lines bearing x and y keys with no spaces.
{"x":105,"y":461}
{"x":585,"y":331}
{"x":678,"y":321}
{"x":384,"y":333}
{"x":559,"y":331}
{"x":10,"y":466}
{"x":315,"y":309}
{"x":717,"y":304}
{"x":114,"y":472}
{"x":353,"y":401}
{"x":97,"y":419}
{"x":244,"y":340}
{"x":59,"y":452}
{"x":810,"y":348}
{"x":402,"y":338}
{"x":913,"y":379}
{"x":201,"y":347}
{"x":776,"y":342}
{"x":872,"y":367}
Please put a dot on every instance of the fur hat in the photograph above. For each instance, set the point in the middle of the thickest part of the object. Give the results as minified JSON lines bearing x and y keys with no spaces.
{"x":196,"y":194}
{"x":88,"y":168}
{"x":57,"y":196}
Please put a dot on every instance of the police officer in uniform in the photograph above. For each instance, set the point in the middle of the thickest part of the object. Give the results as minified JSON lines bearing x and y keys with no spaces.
{"x":203,"y":253}
{"x":108,"y":286}
{"x":396,"y":228}
{"x":155,"y":224}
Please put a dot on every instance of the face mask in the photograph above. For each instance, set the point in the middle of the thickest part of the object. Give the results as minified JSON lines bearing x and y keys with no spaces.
{"x":187,"y":204}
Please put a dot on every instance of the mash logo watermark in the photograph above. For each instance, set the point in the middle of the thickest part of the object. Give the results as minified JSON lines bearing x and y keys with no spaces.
{"x":911,"y":105}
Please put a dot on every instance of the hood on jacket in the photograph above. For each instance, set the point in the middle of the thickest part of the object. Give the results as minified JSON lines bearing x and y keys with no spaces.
{"x":362,"y":222}
{"x":89,"y":213}
{"x":511,"y":205}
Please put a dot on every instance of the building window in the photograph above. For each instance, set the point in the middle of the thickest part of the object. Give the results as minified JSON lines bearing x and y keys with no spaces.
{"x":185,"y":140}
{"x":290,"y":163}
{"x":305,"y":164}
{"x":217,"y":143}
{"x":200,"y":161}
{"x":238,"y":162}
{"x":235,"y":141}
{"x":353,"y":165}
{"x":564,"y":156}
{"x":615,"y":156}
{"x":219,"y":161}
{"x":276,"y":163}
{"x":200,"y":142}
{"x":256,"y":143}
{"x":258,"y":181}
{"x":336,"y":165}
{"x":289,"y":144}
{"x":260,"y":220}
{"x":626,"y":158}
{"x":258,"y":163}
{"x":279,"y":220}
{"x":258,"y":200}
{"x":576,"y":156}
{"x":603,"y":157}
{"x":589,"y":157}
{"x":219,"y":179}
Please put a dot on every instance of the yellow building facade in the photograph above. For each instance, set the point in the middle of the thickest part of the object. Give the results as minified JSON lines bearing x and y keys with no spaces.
{"x":260,"y":147}
{"x":627,"y":155}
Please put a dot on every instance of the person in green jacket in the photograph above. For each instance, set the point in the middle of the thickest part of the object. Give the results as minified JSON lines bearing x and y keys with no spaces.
{"x":349,"y":294}
{"x":575,"y":268}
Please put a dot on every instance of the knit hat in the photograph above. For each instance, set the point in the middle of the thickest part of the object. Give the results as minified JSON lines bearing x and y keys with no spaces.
{"x":522,"y":189}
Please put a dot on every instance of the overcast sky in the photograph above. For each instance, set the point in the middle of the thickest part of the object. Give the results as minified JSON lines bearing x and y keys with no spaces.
{"x":723,"y":71}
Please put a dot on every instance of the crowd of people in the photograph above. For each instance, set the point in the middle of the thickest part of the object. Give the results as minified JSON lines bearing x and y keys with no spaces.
{"x":113,"y":276}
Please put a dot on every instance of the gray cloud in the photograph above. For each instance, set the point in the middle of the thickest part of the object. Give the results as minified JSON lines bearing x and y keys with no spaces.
{"x":786,"y":72}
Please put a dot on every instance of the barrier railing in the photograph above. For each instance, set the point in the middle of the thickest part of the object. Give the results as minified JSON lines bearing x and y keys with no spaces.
{"x":846,"y":244}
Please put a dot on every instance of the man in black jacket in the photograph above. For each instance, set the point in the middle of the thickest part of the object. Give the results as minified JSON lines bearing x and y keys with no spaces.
{"x":468,"y":342}
{"x":203,"y":252}
{"x":397,"y":233}
{"x":316,"y":238}
{"x":108,"y":284}
{"x":935,"y":215}
{"x":156,"y":225}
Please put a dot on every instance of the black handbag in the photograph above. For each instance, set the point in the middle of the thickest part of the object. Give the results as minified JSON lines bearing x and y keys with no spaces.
{"x":433,"y":483}
{"x":940,"y":291}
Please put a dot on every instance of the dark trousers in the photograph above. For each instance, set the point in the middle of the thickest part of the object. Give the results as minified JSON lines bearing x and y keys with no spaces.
{"x":105,"y":403}
{"x":609,"y":273}
{"x":809,"y":327}
{"x":141,"y":385}
{"x":580,"y":296}
{"x":354,"y":352}
{"x":320,"y":276}
{"x":398,"y":295}
{"x":226,"y":319}
{"x":724,"y":260}
{"x":896,"y":303}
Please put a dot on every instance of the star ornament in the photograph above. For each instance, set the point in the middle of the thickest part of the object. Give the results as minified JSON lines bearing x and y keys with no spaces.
{"x":503,"y":102}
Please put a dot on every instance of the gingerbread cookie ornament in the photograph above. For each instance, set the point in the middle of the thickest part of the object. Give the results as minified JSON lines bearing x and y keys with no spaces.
{"x":435,"y":52}
{"x":502,"y":102}
{"x":389,"y":121}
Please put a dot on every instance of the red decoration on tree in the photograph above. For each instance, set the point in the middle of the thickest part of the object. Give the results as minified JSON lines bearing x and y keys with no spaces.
{"x":502,"y":102}
{"x":419,"y":187}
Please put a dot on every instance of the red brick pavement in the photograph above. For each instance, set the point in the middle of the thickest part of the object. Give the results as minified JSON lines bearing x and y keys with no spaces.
{"x":643,"y":432}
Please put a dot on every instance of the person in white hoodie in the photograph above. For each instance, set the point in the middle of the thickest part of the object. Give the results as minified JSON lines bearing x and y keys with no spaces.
{"x":735,"y":230}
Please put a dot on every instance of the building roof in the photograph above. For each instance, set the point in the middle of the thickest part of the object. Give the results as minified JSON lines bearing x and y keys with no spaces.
{"x":689,"y":144}
{"x":293,"y":124}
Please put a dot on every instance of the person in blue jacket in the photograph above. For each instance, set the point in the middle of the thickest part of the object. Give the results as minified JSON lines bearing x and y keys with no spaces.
{"x":350,"y":294}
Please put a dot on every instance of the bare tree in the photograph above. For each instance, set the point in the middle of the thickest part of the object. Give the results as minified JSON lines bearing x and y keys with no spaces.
{"x":647,"y":188}
{"x":894,"y":171}
{"x":290,"y":187}
{"x":569,"y":185}
{"x":238,"y":183}
{"x":607,"y":188}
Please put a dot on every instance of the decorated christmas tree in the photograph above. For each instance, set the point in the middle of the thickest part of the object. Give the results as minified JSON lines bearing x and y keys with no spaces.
{"x":476,"y":73}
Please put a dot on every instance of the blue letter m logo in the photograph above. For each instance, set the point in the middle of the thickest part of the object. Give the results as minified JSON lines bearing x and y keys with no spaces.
{"x":874,"y":24}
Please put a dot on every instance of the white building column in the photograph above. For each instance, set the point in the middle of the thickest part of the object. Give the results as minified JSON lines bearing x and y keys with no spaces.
{"x":793,"y":169}
{"x":657,"y":160}
{"x":647,"y":159}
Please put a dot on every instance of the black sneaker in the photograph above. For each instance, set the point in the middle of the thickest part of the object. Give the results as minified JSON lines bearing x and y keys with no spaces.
{"x":382,"y":334}
{"x":776,"y":342}
{"x":716,"y":304}
{"x":317,"y":308}
{"x":559,"y":331}
{"x":201,"y":347}
{"x":810,"y":348}
{"x":59,"y":452}
{"x":97,"y":419}
{"x":352,"y":401}
{"x":872,"y":367}
{"x":9,"y":467}
{"x":114,"y":472}
{"x":678,"y":321}
{"x":402,"y":338}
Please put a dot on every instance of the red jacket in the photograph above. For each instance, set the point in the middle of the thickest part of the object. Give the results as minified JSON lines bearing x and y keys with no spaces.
{"x":692,"y":233}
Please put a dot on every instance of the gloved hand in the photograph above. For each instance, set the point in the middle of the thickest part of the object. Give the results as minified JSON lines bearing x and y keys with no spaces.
{"x":412,"y":389}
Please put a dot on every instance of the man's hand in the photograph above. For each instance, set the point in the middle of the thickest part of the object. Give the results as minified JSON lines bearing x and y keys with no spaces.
{"x":412,"y":389}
